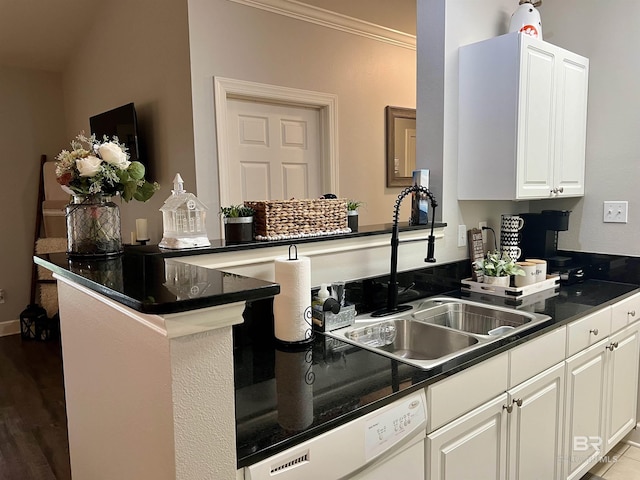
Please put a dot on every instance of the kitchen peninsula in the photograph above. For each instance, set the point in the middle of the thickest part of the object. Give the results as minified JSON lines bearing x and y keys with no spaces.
{"x":152,"y":367}
{"x":148,"y":358}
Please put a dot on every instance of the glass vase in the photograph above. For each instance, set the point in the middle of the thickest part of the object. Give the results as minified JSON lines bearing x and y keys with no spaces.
{"x":93,"y":226}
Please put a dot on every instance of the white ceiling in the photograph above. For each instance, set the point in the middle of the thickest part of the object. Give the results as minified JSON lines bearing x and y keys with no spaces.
{"x":41,"y":34}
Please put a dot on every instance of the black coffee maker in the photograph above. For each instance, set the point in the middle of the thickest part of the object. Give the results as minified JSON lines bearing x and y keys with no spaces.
{"x":539,"y":237}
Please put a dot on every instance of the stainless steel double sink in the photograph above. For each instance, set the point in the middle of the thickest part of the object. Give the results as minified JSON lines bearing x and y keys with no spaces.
{"x":437,"y":330}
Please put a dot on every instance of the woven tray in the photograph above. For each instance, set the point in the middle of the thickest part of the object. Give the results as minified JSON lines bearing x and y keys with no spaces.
{"x":281,"y":219}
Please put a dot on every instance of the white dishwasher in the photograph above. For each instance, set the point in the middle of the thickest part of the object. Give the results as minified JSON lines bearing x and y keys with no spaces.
{"x":386,"y":443}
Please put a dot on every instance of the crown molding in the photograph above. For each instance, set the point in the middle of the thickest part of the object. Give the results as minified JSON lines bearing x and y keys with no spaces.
{"x":337,"y":21}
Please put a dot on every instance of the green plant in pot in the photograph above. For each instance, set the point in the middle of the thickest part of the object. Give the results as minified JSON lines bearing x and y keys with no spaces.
{"x":352,"y":214}
{"x":238,"y":223}
{"x":497,"y":268}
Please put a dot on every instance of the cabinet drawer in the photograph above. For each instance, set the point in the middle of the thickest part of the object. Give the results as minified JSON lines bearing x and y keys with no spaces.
{"x":625,"y":312}
{"x":466,"y":390}
{"x":588,"y":330}
{"x":537,"y":355}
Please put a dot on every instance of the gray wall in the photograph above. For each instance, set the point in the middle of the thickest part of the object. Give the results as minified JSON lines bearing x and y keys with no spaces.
{"x":139,"y":52}
{"x":243,"y":43}
{"x":31,"y":124}
{"x":597,"y":30}
{"x":142,"y":57}
{"x":603,"y":32}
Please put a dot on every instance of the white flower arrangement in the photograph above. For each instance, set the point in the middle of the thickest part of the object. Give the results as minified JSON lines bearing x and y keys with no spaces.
{"x":94,"y":167}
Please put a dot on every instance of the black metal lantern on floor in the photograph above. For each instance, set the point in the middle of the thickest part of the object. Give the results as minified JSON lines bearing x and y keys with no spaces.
{"x":34,"y":323}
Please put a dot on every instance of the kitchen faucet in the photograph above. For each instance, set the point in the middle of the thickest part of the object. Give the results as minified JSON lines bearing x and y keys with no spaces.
{"x":392,"y":290}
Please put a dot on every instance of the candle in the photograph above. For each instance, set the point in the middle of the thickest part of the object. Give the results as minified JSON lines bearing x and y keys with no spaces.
{"x":141,"y":229}
{"x":133,"y":238}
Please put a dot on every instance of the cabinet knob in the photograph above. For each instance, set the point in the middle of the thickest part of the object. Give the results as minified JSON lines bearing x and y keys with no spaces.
{"x":561,"y":189}
{"x":632,"y":313}
{"x":518,"y":401}
{"x":612,"y":346}
{"x":594,"y":331}
{"x":508,"y":408}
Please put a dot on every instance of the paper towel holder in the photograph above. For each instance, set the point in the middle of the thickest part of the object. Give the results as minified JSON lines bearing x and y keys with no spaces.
{"x":307,"y":315}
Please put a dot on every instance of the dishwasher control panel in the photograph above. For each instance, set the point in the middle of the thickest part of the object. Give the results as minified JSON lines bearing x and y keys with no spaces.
{"x":386,"y":429}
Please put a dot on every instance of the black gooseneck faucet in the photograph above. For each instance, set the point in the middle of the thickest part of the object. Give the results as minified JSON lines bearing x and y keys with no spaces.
{"x":392,"y":292}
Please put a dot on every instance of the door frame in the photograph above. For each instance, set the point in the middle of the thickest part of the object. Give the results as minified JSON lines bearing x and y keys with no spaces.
{"x":327,"y":104}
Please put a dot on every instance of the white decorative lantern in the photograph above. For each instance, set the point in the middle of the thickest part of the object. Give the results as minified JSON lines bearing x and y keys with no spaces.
{"x":183,"y":219}
{"x":526,"y":19}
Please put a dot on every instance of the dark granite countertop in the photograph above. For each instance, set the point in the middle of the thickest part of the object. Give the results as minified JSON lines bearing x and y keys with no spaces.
{"x":284,"y":397}
{"x":157,"y":285}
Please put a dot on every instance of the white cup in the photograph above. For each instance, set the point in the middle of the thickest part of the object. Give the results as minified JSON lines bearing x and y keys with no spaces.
{"x":529,"y":277}
{"x":511,"y":223}
{"x":541,"y":268}
{"x":511,"y":250}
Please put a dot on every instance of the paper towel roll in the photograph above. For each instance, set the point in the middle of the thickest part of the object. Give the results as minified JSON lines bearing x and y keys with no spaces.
{"x":292,"y":307}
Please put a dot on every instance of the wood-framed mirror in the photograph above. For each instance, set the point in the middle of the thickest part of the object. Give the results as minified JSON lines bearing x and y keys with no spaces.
{"x":401,"y":145}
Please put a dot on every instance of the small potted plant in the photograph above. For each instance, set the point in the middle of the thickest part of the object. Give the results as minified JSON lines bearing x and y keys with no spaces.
{"x":497,"y":268}
{"x":238,"y":223}
{"x":352,"y":214}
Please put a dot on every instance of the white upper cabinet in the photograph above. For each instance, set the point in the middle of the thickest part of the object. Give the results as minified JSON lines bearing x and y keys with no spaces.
{"x":522,"y":120}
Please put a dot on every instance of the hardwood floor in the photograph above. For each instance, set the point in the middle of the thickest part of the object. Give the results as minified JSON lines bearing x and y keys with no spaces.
{"x":33,"y":422}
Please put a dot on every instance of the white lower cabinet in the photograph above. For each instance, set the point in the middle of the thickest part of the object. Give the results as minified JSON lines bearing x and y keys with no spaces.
{"x":602,"y":385}
{"x":535,"y":427}
{"x":472,"y":446}
{"x":586,"y":372}
{"x":517,"y":435}
{"x":622,"y":384}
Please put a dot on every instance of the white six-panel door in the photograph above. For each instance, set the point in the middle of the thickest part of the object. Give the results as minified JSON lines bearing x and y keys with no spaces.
{"x":274,"y":151}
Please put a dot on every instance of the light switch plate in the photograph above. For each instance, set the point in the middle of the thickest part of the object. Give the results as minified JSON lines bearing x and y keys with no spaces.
{"x":462,"y":235}
{"x":615,"y":212}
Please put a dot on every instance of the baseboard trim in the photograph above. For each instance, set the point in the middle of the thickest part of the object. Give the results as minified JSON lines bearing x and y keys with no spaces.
{"x":9,"y":327}
{"x":633,"y":437}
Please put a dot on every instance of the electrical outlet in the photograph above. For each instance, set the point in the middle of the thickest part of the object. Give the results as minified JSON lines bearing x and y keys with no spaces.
{"x":616,"y":212}
{"x":462,"y":235}
{"x":1,"y":295}
{"x":484,"y":232}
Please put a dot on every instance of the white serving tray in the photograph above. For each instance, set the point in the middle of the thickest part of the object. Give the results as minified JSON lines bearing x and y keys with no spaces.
{"x":552,"y":281}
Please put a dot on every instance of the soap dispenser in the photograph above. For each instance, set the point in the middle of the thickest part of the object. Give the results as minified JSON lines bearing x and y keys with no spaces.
{"x":321,"y":296}
{"x":323,"y":293}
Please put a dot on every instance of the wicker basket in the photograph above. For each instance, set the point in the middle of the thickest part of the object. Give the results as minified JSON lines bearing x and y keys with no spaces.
{"x":278,"y":219}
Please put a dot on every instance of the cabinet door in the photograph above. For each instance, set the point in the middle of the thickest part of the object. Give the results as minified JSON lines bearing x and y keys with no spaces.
{"x":535,"y":426}
{"x":473,"y":446}
{"x":585,"y":407}
{"x":522,"y":111}
{"x":571,"y":123}
{"x":536,"y":120}
{"x":622,"y":384}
